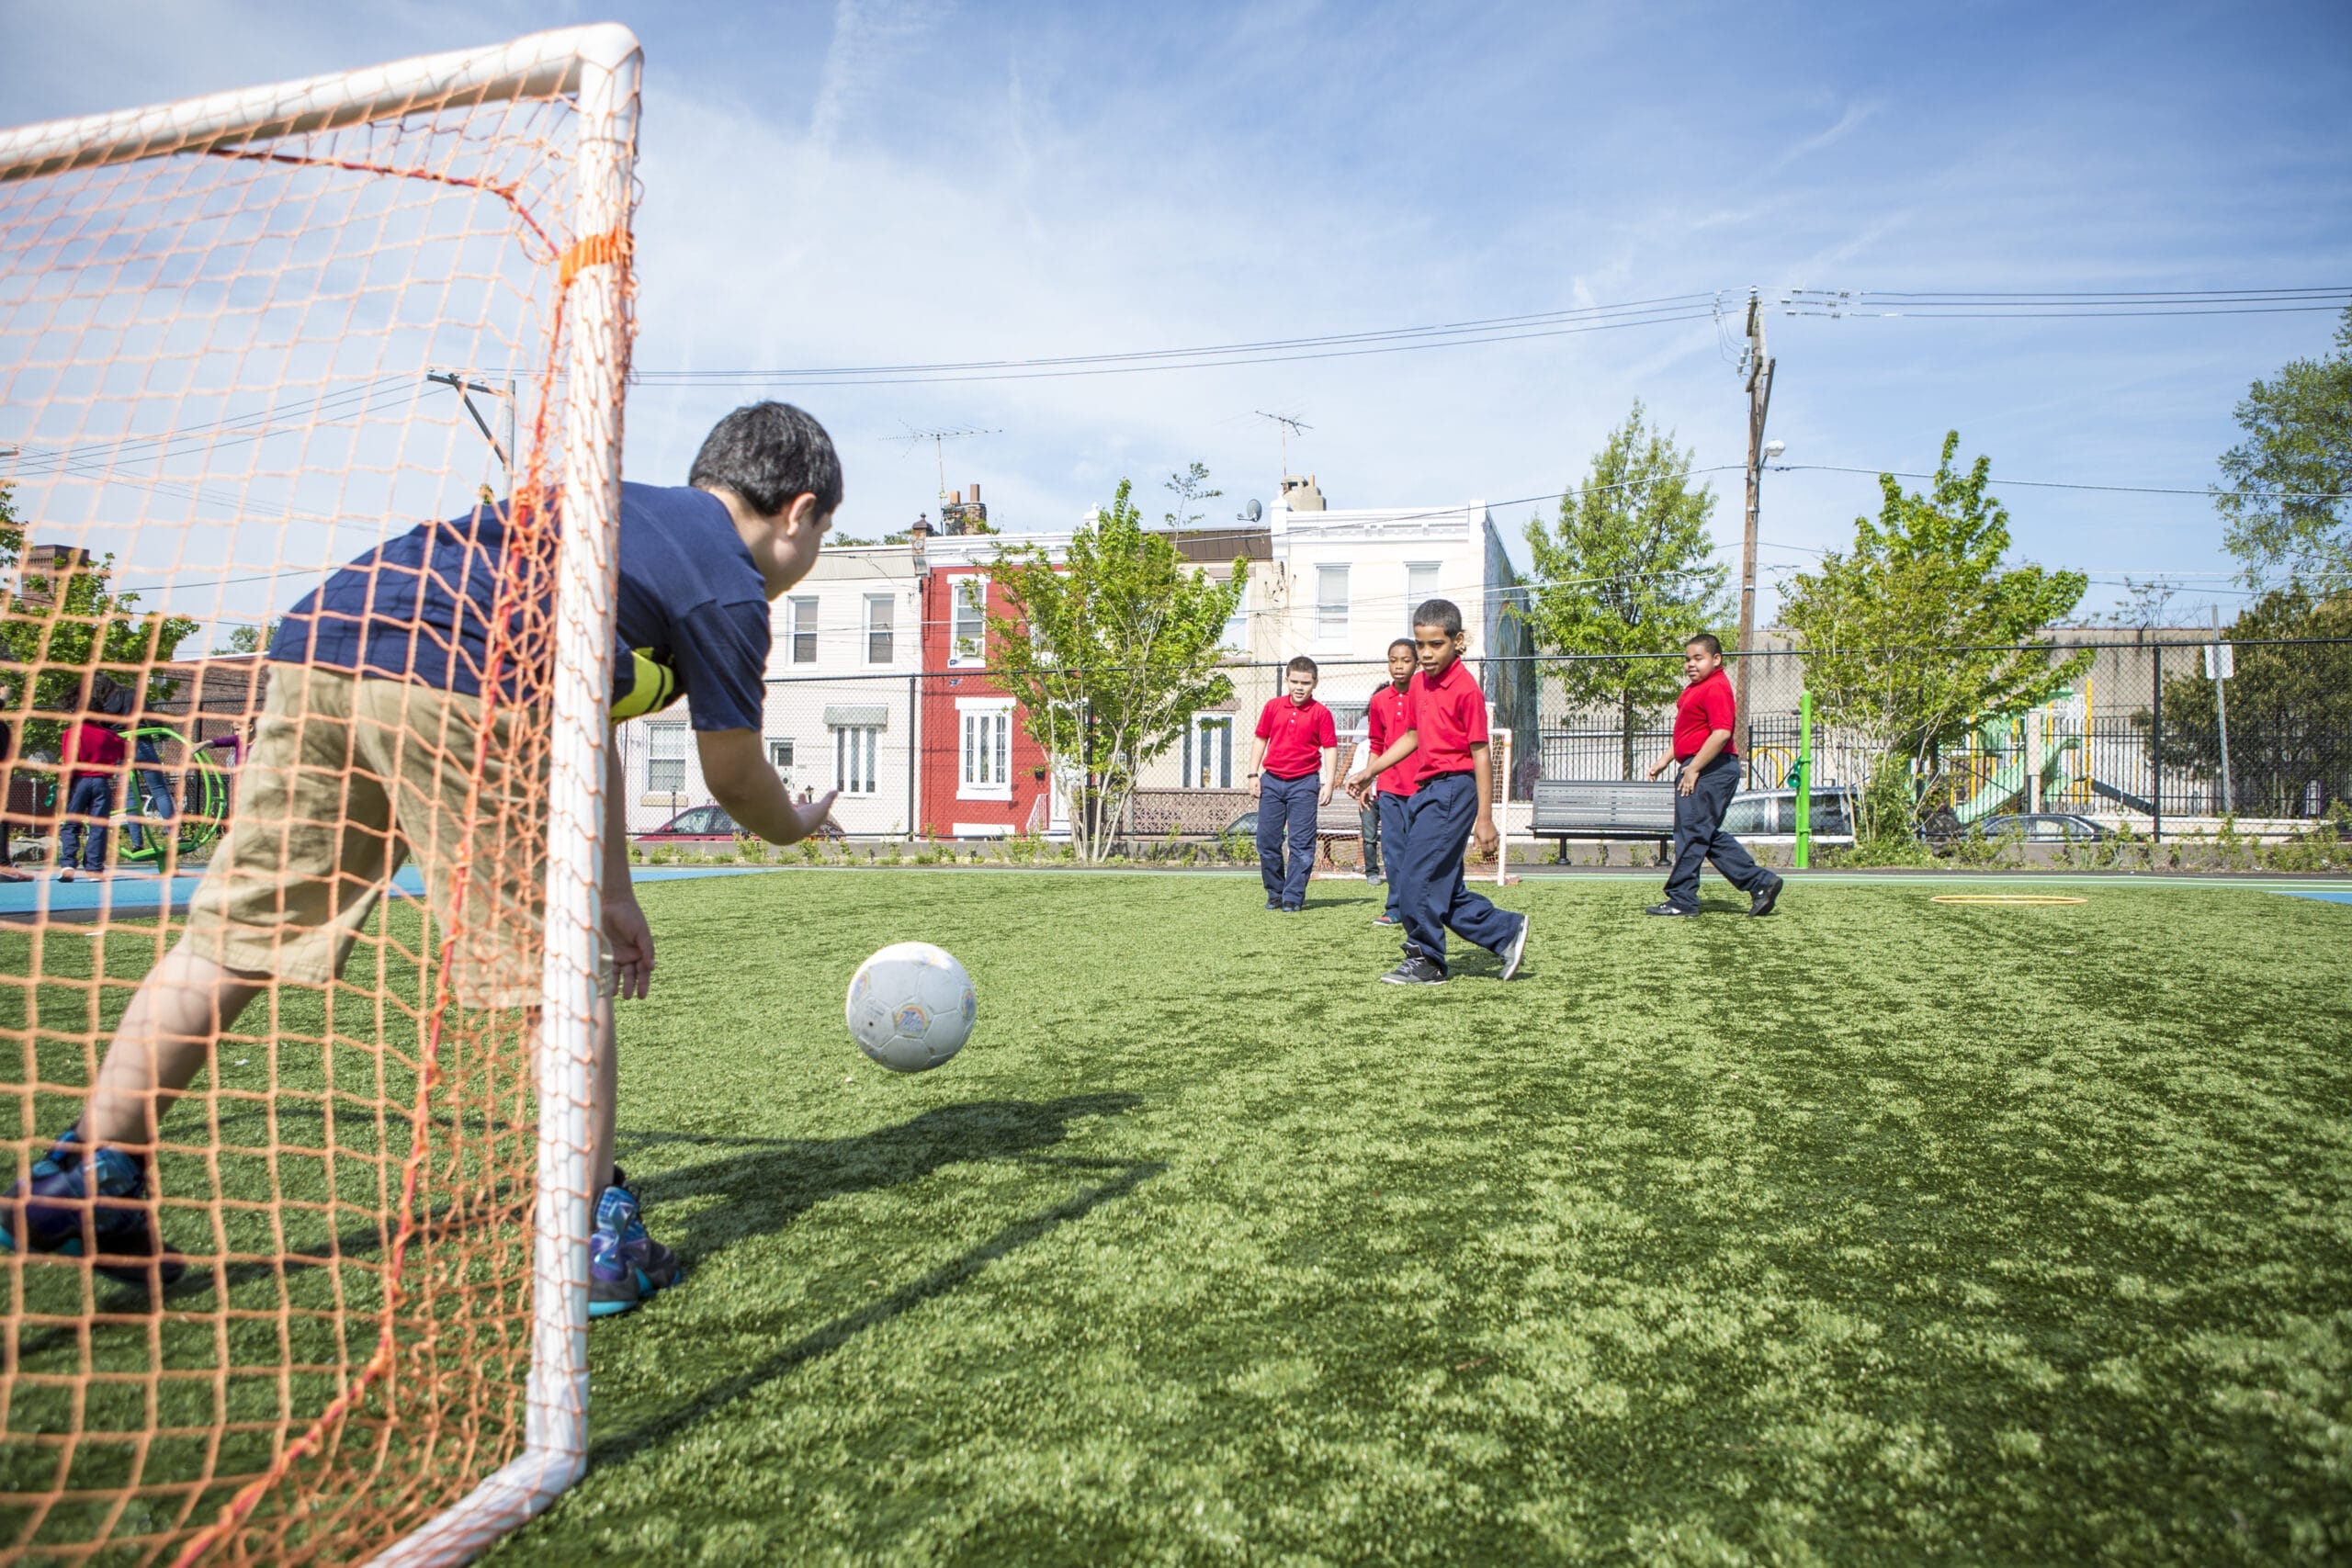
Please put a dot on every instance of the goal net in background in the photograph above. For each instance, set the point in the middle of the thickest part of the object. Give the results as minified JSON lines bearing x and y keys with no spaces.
{"x":244,"y":340}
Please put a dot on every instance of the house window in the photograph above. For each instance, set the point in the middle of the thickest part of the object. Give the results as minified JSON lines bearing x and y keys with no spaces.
{"x":1235,"y":637}
{"x":985,"y":748}
{"x":1208,"y":751}
{"x":800,"y":629}
{"x":1331,"y":603}
{"x":854,"y":750}
{"x":665,"y":758}
{"x":1420,"y":585}
{"x":780,"y":756}
{"x":969,"y":629}
{"x":880,"y":608}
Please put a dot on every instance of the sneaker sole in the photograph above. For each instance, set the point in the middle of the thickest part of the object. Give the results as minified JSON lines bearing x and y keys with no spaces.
{"x":1393,"y":980}
{"x":646,"y":1291}
{"x":170,"y":1270}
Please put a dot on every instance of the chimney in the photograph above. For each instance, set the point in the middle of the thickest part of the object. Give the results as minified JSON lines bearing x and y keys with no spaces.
{"x":955,"y":498}
{"x":976,"y":492}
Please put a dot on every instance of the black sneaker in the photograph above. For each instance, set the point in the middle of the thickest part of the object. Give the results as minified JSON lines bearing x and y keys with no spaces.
{"x":1415,"y":971}
{"x":1515,"y":948}
{"x":1764,"y":898}
{"x":1668,"y":909}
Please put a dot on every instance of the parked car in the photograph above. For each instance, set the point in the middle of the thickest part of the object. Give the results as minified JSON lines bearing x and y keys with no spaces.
{"x":1770,"y":816}
{"x":2046,"y":828}
{"x":711,"y":825}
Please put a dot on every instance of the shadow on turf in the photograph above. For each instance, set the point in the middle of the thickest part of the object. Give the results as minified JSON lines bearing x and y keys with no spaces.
{"x":829,"y":1337}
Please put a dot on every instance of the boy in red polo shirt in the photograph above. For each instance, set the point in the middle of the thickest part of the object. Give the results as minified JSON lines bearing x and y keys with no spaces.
{"x":1705,"y":716}
{"x":93,"y":755}
{"x":1296,"y":740}
{"x":1386,"y":718}
{"x":1452,"y":804}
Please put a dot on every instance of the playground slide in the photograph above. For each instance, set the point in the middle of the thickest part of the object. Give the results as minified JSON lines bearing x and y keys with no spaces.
{"x":2006,"y":784}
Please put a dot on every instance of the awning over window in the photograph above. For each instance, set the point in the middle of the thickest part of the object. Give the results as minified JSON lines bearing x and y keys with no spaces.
{"x":875,"y":718}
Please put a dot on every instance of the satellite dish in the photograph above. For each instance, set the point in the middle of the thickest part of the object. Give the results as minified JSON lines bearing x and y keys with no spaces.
{"x":1254,"y":510}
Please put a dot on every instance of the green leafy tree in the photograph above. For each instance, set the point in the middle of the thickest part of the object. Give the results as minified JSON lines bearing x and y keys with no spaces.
{"x":2288,"y":478}
{"x":1627,"y":571}
{"x":2290,"y":708}
{"x":1111,"y":651}
{"x":58,"y":630}
{"x":1921,"y":628}
{"x":249,"y":639}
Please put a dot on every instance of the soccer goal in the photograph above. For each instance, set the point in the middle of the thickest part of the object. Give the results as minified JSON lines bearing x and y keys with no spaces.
{"x":245,"y":339}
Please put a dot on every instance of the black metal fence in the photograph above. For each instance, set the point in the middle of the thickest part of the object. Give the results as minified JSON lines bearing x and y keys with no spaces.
{"x":2139,"y":738}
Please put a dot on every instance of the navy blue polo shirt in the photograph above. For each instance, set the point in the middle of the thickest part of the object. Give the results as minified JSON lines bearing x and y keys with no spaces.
{"x":691,"y":616}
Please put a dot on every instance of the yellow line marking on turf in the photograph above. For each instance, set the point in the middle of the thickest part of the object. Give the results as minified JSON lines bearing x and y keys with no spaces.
{"x":2005,"y":898}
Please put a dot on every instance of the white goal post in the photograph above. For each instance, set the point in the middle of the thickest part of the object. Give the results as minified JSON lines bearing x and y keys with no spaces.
{"x":590,"y":76}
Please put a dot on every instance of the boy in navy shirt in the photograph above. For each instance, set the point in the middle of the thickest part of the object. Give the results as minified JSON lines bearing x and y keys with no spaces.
{"x":1296,"y":741}
{"x":1451,"y":807}
{"x":365,"y":750}
{"x":1705,"y":718}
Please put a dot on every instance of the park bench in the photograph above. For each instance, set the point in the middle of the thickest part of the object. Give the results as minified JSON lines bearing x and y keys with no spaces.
{"x":1603,"y":808}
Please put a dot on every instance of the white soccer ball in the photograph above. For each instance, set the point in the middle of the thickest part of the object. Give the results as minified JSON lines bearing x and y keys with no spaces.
{"x":912,"y":1006}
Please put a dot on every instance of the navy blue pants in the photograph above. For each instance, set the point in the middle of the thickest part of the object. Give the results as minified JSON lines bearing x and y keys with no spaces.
{"x":1392,"y":816}
{"x":1438,"y":822}
{"x":1286,"y":814}
{"x":83,"y":830}
{"x":1698,"y":836}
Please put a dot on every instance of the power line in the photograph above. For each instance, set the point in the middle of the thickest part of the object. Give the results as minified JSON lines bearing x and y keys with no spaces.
{"x":2069,"y":484}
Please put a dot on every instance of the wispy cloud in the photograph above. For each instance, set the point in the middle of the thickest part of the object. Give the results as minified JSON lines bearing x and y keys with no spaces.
{"x":1847,"y":123}
{"x":868,"y":38}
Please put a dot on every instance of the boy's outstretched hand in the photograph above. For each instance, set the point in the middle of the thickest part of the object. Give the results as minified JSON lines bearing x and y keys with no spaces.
{"x":814,"y":815}
{"x":632,"y":942}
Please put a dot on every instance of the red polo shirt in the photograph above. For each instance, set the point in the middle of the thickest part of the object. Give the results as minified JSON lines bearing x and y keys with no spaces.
{"x":1450,"y":714}
{"x":98,"y":750}
{"x":1705,"y":705}
{"x":1386,"y":717}
{"x":1294,"y":734}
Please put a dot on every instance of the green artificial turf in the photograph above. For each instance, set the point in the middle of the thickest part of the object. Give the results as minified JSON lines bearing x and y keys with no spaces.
{"x":1879,"y":1231}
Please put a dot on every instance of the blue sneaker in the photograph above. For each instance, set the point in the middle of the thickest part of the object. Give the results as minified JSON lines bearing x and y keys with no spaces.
{"x":56,"y":1212}
{"x":624,"y":1265}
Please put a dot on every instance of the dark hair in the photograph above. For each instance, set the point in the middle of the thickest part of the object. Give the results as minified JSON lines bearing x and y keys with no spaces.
{"x":1303,"y":663}
{"x":1707,"y":641}
{"x":769,"y":454}
{"x":1442,"y":614}
{"x":1405,"y":643}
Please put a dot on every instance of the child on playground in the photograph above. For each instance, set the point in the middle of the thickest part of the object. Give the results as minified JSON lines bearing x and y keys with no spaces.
{"x":1450,"y":806}
{"x":1705,"y":718}
{"x":1297,"y":742}
{"x":365,"y":747}
{"x":93,"y":756}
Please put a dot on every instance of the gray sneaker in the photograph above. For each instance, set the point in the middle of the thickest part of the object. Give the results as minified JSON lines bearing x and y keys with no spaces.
{"x":1415,"y":971}
{"x":1516,"y":949}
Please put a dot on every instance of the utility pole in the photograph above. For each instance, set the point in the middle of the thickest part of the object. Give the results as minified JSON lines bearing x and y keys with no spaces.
{"x":1759,"y":402}
{"x":2221,"y":664}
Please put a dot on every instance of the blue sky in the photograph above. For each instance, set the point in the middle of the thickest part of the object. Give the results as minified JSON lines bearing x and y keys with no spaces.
{"x":875,"y":181}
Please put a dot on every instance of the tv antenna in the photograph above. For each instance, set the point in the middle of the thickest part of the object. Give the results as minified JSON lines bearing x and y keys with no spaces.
{"x":939,"y":440}
{"x":1289,"y":425}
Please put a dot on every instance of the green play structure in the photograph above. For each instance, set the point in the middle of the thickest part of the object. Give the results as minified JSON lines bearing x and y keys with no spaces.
{"x":1992,"y":773}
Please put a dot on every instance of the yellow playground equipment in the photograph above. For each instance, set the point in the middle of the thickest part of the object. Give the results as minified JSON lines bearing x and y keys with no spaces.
{"x":2005,"y":757}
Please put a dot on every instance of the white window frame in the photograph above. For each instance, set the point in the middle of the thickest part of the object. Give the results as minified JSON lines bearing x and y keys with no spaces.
{"x":855,"y":748}
{"x":1413,"y":596}
{"x":1331,"y":624}
{"x":783,"y":765}
{"x":1208,"y":750}
{"x":887,"y":605}
{"x":665,"y":748}
{"x":799,"y":622}
{"x":968,"y":595}
{"x":1234,"y":638}
{"x":984,"y":749}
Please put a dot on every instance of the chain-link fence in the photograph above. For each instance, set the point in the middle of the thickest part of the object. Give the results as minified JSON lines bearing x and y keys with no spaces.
{"x":2145,"y":736}
{"x":2136,"y":739}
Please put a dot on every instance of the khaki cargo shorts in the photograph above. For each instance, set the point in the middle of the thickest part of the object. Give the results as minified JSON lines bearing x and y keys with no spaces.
{"x":348,"y":777}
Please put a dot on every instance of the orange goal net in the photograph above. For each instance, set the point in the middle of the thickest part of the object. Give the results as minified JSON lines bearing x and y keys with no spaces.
{"x":332,"y":1305}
